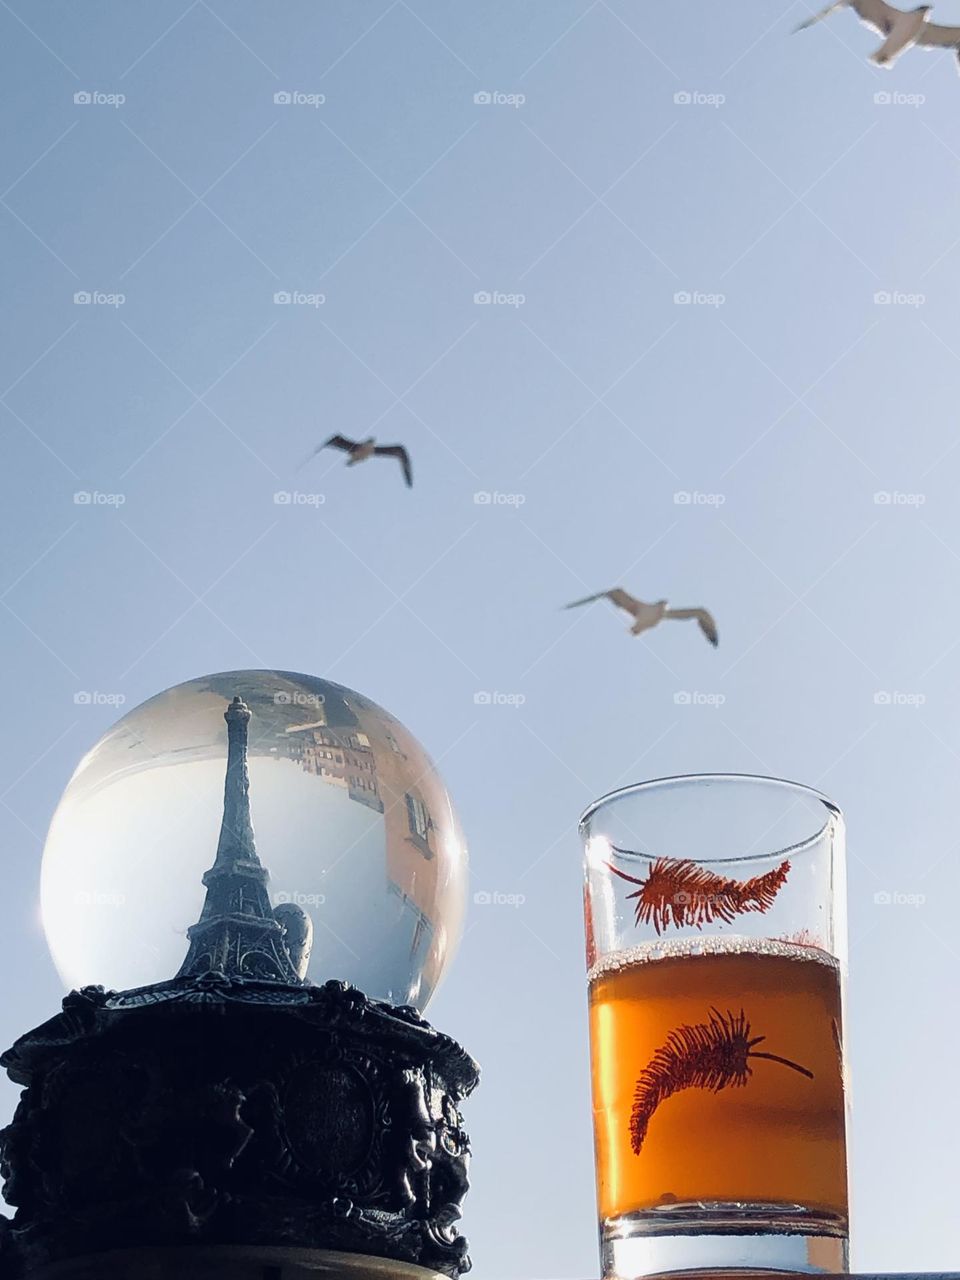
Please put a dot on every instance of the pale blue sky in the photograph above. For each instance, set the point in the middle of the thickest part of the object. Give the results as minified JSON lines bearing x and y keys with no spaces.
{"x":798,"y":198}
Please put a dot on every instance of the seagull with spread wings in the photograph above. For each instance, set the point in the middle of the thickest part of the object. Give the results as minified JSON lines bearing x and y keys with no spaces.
{"x":901,"y":29}
{"x":360,"y":450}
{"x":646,"y":616}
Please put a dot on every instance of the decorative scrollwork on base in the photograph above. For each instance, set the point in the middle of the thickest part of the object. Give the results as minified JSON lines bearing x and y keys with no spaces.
{"x":223,"y":1110}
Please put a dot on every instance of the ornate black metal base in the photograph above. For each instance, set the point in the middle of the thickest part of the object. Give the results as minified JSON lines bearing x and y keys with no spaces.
{"x":214,"y":1111}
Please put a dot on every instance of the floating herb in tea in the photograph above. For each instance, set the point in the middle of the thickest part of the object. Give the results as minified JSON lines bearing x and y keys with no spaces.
{"x":706,"y":1055}
{"x":678,"y":892}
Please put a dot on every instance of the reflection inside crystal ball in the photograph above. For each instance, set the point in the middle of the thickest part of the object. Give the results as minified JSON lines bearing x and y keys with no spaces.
{"x":351,"y":820}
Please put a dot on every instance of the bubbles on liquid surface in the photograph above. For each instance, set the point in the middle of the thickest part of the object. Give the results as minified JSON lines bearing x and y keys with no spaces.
{"x":697,"y":948}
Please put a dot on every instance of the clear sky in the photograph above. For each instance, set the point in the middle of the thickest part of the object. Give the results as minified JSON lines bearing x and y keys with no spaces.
{"x":781,"y":186}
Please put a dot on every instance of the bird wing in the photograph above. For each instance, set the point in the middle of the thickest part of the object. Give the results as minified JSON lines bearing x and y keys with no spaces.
{"x":936,"y":37}
{"x":824,"y":13}
{"x":337,"y":442}
{"x":616,"y":595}
{"x":704,"y":619}
{"x":877,"y":14}
{"x":623,"y":600}
{"x":586,"y":600}
{"x":397,"y":451}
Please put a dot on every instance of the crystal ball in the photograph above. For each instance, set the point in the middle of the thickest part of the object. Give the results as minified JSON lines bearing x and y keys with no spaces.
{"x":351,"y":819}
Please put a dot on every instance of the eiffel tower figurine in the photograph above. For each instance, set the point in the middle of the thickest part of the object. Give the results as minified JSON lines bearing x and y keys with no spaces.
{"x":239,"y":934}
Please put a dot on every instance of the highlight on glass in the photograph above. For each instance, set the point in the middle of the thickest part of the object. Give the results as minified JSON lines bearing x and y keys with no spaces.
{"x":716,"y":950}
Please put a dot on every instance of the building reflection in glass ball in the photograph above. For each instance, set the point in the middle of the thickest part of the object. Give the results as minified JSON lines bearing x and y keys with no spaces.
{"x":351,"y":819}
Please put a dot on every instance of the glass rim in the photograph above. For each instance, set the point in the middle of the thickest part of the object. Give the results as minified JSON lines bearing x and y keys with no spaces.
{"x":834,"y":812}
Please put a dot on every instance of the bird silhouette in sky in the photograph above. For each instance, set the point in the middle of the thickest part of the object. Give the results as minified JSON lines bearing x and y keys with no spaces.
{"x":646,"y":616}
{"x":360,"y":450}
{"x":901,"y":28}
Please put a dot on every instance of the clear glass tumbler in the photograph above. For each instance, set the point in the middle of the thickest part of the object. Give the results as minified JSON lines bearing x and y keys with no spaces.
{"x":716,"y":948}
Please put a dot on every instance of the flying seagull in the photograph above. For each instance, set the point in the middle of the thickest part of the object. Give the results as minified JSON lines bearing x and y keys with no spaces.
{"x":360,"y":450}
{"x":648,"y":615}
{"x":900,"y":28}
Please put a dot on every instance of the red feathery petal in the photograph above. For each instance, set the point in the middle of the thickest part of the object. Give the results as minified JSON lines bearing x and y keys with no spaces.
{"x":705,"y":1055}
{"x":683,"y":893}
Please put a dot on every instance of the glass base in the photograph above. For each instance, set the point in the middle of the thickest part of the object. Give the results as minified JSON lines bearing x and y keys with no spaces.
{"x":714,"y":1237}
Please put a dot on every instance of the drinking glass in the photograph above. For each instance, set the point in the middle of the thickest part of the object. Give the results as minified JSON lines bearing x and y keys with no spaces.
{"x":716,"y":951}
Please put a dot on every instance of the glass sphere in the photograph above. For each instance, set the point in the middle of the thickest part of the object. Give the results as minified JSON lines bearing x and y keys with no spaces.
{"x":351,"y":818}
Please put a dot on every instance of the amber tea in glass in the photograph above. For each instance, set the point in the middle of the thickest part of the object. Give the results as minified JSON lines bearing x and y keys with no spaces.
{"x":714,"y":913}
